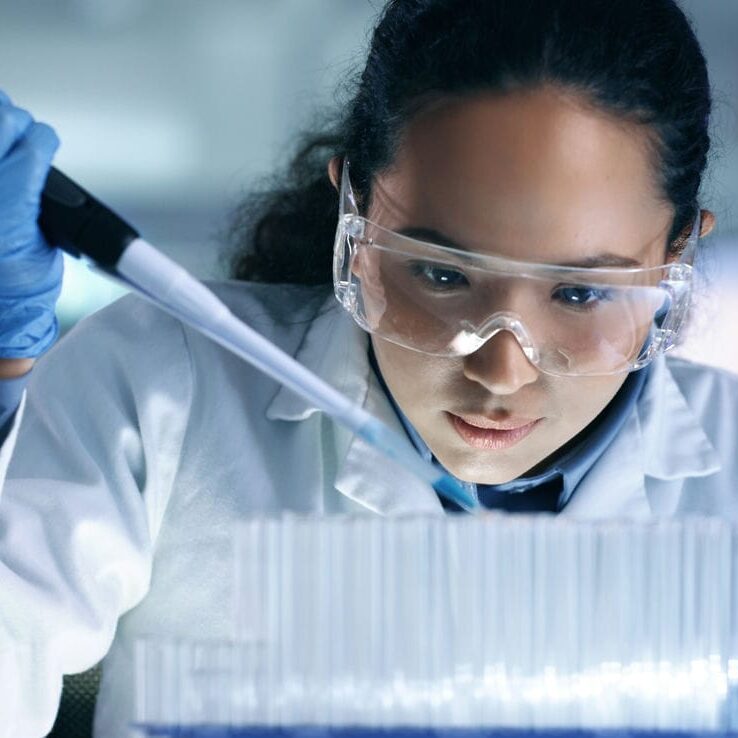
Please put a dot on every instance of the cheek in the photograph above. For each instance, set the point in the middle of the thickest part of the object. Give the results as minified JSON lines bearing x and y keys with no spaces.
{"x":581,"y":399}
{"x":417,"y":381}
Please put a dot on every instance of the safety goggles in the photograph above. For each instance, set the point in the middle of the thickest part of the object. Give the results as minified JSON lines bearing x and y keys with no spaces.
{"x":449,"y":302}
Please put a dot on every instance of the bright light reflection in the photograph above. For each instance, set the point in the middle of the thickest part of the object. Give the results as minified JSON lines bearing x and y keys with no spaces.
{"x":83,"y":292}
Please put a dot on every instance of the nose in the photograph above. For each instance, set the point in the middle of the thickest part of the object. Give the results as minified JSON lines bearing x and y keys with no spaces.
{"x":500,"y":365}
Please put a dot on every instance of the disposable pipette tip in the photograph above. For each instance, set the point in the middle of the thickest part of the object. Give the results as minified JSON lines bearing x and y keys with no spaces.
{"x":452,"y":490}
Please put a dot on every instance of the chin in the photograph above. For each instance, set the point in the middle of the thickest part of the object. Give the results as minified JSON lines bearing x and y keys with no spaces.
{"x":479,"y":471}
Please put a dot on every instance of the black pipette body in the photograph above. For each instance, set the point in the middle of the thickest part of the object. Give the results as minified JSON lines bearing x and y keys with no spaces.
{"x":80,"y":224}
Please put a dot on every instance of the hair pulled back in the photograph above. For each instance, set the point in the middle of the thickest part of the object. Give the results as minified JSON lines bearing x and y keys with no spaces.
{"x":636,"y":59}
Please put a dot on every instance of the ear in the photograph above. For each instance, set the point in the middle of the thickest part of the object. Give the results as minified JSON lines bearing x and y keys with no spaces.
{"x":334,"y":171}
{"x":707,"y":223}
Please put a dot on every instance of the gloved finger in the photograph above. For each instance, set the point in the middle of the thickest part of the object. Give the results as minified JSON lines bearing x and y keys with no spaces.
{"x":41,"y":138}
{"x":14,"y":122}
{"x":23,"y":174}
{"x":4,"y":99}
{"x":30,"y":159}
{"x":30,"y":270}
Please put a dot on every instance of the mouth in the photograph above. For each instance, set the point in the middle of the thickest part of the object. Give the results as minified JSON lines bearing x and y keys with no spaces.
{"x":481,"y":432}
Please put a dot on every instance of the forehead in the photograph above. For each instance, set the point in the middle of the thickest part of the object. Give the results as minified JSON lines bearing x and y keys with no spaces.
{"x":533,"y":175}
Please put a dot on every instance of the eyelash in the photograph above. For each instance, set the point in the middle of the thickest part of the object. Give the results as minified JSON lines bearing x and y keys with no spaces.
{"x":602,"y":295}
{"x":422,"y":271}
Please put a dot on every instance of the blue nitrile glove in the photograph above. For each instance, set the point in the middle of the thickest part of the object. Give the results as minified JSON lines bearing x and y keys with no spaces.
{"x":30,"y":270}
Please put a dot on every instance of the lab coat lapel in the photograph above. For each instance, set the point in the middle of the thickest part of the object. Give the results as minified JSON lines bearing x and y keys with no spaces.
{"x":615,"y":486}
{"x":332,"y":348}
{"x":662,"y":439}
{"x":335,"y":349}
{"x":675,"y":443}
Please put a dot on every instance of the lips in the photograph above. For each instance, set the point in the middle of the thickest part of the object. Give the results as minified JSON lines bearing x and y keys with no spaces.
{"x":481,"y":432}
{"x":483,"y":421}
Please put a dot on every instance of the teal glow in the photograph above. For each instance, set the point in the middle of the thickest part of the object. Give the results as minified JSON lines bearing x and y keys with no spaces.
{"x":83,"y":292}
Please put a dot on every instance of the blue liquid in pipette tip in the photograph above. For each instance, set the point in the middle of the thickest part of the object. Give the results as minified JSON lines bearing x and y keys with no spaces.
{"x":452,"y":490}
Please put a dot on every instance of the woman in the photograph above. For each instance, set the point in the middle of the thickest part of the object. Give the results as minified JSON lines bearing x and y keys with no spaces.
{"x":518,"y":185}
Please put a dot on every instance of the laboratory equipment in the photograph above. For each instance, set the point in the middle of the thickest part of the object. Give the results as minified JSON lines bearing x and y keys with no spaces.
{"x":420,"y":625}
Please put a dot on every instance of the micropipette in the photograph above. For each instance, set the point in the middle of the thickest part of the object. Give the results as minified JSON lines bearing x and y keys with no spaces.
{"x":80,"y":224}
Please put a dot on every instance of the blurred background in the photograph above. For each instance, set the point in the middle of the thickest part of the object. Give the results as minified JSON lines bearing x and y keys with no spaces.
{"x":169,"y":110}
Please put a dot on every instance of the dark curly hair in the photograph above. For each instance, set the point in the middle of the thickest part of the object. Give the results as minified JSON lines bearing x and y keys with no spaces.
{"x":636,"y":59}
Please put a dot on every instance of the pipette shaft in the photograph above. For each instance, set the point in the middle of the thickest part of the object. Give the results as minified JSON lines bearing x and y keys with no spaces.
{"x":78,"y":222}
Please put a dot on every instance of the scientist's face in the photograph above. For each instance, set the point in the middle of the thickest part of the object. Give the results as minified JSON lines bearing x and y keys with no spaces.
{"x":537,"y":176}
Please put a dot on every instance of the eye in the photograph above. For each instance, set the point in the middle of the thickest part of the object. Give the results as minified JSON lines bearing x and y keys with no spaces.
{"x":438,"y":277}
{"x":581,"y":296}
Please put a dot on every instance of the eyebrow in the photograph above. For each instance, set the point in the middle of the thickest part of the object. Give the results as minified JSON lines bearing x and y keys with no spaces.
{"x":606,"y":259}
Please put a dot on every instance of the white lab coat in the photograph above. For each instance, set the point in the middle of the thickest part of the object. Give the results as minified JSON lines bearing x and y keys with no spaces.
{"x":139,"y":443}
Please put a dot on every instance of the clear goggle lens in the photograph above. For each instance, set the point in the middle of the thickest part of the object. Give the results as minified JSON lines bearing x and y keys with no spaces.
{"x":446,"y":302}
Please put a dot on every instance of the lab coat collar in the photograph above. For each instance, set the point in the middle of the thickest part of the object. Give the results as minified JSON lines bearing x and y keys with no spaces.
{"x":336,"y":349}
{"x":662,"y":438}
{"x":675,"y":444}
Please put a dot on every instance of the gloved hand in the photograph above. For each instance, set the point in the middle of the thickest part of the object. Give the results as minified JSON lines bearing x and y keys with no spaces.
{"x":30,"y":270}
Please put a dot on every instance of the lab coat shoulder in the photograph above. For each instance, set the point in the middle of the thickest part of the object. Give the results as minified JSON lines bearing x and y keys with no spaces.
{"x":282,"y":313}
{"x":275,"y":309}
{"x":233,"y":427}
{"x":112,"y":428}
{"x":112,"y":391}
{"x":122,"y":384}
{"x":230,"y":393}
{"x":91,"y":465}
